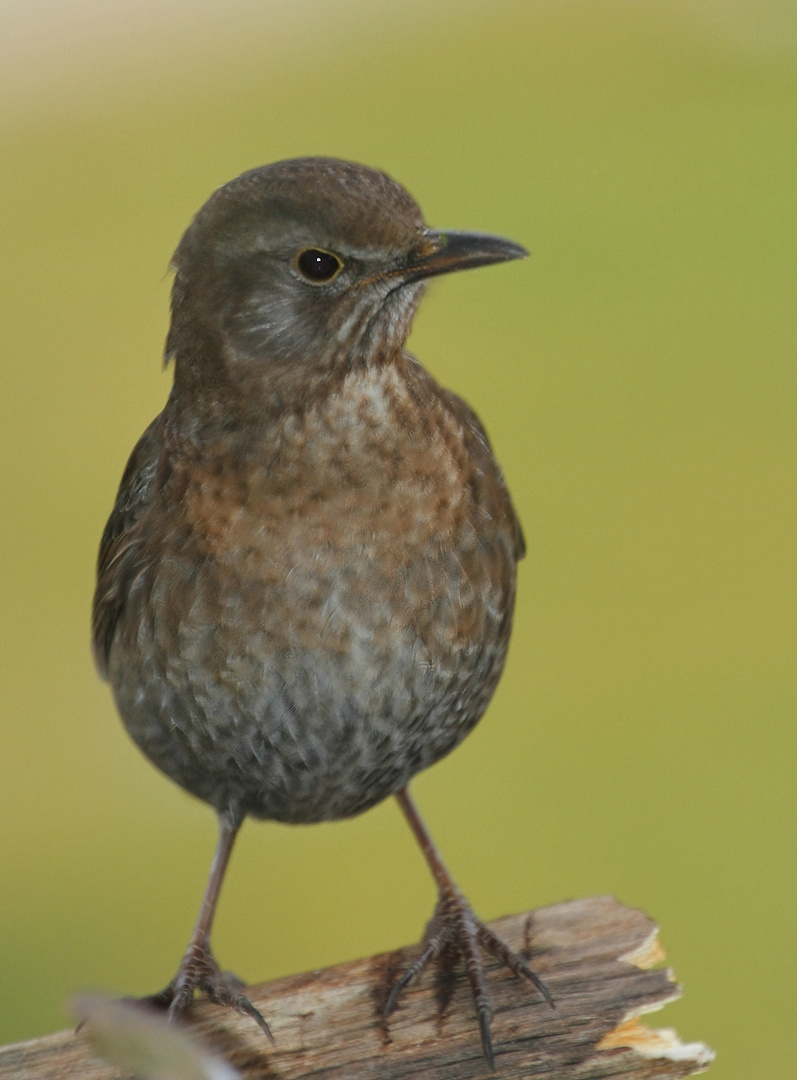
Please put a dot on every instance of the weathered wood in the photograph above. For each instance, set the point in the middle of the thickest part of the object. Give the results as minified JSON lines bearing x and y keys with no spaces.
{"x":595,"y":955}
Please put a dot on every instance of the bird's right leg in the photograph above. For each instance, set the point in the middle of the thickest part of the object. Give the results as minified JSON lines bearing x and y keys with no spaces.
{"x":199,"y":970}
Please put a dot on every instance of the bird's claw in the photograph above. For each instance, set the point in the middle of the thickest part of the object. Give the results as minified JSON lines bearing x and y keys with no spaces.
{"x":199,"y":972}
{"x":455,"y":930}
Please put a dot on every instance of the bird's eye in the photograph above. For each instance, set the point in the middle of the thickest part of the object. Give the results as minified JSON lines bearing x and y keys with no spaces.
{"x":318,"y":266}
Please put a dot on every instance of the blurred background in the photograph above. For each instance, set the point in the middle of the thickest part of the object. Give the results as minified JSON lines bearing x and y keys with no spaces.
{"x":637,"y":377}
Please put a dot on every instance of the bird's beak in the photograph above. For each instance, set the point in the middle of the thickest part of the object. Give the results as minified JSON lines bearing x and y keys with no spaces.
{"x":449,"y":251}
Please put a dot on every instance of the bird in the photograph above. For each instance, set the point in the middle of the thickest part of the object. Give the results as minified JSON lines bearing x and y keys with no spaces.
{"x":306,"y":586}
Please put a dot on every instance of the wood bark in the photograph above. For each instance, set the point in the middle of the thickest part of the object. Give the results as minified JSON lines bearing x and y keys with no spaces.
{"x":597,"y":957}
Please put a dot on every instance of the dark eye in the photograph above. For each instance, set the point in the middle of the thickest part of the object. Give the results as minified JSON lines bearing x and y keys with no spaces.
{"x":317,"y":265}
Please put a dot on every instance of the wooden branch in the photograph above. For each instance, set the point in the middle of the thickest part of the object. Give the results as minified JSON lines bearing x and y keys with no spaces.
{"x":595,"y":955}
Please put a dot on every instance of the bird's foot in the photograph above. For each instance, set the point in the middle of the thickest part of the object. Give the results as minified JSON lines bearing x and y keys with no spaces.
{"x":454,"y":931}
{"x":200,"y":973}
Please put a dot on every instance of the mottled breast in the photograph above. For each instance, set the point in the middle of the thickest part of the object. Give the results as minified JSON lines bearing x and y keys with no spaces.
{"x":307,"y":630}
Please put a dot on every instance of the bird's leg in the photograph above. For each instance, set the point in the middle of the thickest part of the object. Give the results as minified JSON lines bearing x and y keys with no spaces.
{"x":455,"y":929}
{"x":198,"y":969}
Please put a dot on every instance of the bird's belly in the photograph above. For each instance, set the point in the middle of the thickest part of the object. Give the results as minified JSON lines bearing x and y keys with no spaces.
{"x":289,"y":682}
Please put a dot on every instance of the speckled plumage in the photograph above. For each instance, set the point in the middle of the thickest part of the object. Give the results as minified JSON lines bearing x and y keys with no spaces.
{"x":299,"y":610}
{"x":296,"y":641}
{"x":305,"y":589}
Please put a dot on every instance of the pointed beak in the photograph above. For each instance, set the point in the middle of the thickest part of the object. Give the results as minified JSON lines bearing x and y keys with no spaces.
{"x":450,"y":251}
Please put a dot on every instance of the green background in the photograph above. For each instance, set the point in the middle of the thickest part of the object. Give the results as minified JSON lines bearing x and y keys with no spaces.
{"x":637,"y":377}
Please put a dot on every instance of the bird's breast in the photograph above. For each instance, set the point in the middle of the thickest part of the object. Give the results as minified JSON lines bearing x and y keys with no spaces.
{"x":367,"y":470}
{"x":316,"y":626}
{"x":354,"y":531}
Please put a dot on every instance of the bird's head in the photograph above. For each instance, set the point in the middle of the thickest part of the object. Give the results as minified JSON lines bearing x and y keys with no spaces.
{"x":306,"y":267}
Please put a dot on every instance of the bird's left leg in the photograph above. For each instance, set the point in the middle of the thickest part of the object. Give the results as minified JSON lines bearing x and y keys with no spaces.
{"x":456,"y":929}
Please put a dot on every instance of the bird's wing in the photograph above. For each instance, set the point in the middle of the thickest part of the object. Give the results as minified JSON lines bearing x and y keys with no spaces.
{"x":120,"y":556}
{"x":483,"y":452}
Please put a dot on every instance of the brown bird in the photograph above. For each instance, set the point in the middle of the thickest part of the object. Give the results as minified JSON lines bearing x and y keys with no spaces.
{"x":305,"y":588}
